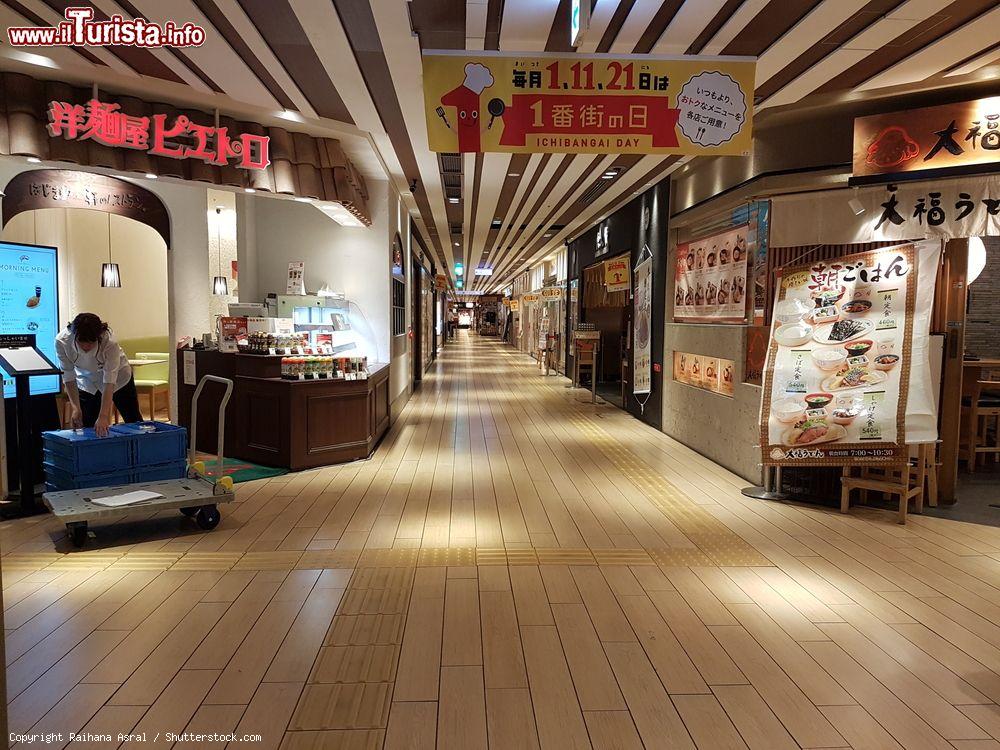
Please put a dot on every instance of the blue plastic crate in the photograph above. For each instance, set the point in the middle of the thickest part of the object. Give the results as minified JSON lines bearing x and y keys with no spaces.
{"x":68,"y":480}
{"x":82,"y":452}
{"x":154,"y":443}
{"x":172,"y":470}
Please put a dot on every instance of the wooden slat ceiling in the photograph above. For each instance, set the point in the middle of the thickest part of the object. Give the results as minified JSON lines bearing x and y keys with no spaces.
{"x":358,"y":62}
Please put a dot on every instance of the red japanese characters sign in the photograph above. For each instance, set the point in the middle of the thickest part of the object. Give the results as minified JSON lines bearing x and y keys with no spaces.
{"x":549,"y":103}
{"x":182,"y":139}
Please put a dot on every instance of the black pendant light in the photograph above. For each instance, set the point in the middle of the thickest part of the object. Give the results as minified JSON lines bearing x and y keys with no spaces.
{"x":111,"y":277}
{"x":220,"y":284}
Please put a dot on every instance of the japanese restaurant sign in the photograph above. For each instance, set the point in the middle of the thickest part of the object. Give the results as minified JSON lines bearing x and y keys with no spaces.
{"x":552,"y":293}
{"x":106,"y":124}
{"x":616,"y":275}
{"x":550,"y":103}
{"x":707,"y":373}
{"x":710,"y":283}
{"x":947,"y":136}
{"x":642,"y":315}
{"x":837,"y":376}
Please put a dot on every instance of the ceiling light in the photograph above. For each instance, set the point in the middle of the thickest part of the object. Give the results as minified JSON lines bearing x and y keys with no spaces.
{"x":151,"y":176}
{"x":453,"y":200}
{"x":457,"y":244}
{"x":339,"y":213}
{"x":34,"y":160}
{"x":290,"y":114}
{"x":977,"y":259}
{"x":513,"y":174}
{"x":302,"y":199}
{"x":32,"y":59}
{"x":249,"y":190}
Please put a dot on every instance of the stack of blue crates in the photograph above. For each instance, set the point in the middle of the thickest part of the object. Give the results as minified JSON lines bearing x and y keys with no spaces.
{"x":142,"y":452}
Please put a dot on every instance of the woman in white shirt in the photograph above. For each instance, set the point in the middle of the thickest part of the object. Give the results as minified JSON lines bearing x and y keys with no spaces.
{"x":96,"y":374}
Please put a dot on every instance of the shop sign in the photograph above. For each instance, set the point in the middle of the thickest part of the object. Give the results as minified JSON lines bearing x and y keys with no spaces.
{"x":106,"y":124}
{"x":530,"y":297}
{"x":616,"y":275}
{"x":551,"y":294}
{"x":947,"y":136}
{"x":440,"y":282}
{"x":642,"y":315}
{"x":707,"y":373}
{"x":840,"y":356}
{"x":296,"y":277}
{"x":514,"y":305}
{"x":711,"y":278}
{"x":577,"y":104}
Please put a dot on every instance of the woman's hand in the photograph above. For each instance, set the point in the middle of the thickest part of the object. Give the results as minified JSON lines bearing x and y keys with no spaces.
{"x":101,"y":427}
{"x":75,"y":418}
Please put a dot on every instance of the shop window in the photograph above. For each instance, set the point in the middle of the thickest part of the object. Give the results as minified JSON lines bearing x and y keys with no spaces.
{"x":398,"y":307}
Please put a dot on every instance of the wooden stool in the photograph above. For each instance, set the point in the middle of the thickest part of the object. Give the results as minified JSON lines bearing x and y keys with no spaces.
{"x":907,"y":481}
{"x":980,"y":410}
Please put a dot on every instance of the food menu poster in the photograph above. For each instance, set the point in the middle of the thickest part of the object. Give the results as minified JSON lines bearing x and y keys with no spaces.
{"x":29,"y":303}
{"x":710,"y":283}
{"x":712,"y":374}
{"x":232,"y":331}
{"x":837,"y":372}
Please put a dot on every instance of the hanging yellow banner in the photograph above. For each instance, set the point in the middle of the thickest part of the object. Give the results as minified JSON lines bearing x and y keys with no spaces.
{"x":479,"y":102}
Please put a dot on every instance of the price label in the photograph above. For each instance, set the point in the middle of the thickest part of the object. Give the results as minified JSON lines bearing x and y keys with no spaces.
{"x":272,"y":351}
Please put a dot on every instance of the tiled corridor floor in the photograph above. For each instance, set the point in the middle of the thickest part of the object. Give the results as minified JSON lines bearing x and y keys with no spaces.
{"x":513,"y":568}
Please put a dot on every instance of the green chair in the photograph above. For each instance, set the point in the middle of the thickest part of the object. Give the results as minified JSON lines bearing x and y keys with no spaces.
{"x":153,"y":380}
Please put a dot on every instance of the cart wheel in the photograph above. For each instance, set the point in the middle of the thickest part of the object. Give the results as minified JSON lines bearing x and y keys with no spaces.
{"x":190,"y":512}
{"x":77,"y":534}
{"x":208,"y":517}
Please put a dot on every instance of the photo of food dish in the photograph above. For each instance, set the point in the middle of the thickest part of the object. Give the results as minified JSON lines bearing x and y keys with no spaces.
{"x":724,"y":255}
{"x":723,"y":297}
{"x":699,"y":295}
{"x":738,"y":284}
{"x":843,"y":331}
{"x":886,"y":361}
{"x":712,"y":258}
{"x":827,"y":297}
{"x":793,"y":334}
{"x":851,"y":377}
{"x":679,"y":297}
{"x":813,"y":430}
{"x":699,"y":258}
{"x":711,"y":294}
{"x":856,"y":307}
{"x":689,"y":260}
{"x":689,"y":297}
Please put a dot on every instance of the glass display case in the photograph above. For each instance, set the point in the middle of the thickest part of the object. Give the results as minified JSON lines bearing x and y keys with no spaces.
{"x":335,"y":321}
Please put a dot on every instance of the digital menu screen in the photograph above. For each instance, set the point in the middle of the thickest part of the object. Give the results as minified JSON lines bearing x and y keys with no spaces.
{"x":29,"y":303}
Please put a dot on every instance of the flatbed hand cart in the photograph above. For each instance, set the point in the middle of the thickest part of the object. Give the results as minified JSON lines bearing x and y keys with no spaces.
{"x":197,"y":496}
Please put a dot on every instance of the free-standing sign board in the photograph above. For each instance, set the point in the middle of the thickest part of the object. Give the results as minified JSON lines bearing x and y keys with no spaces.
{"x":587,"y":104}
{"x":837,"y":377}
{"x":710,"y":283}
{"x":29,"y":304}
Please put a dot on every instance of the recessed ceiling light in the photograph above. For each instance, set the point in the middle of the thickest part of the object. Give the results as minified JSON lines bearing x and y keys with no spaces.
{"x":34,"y":160}
{"x":456,"y":244}
{"x":289,"y":114}
{"x":513,"y":174}
{"x":151,"y":176}
{"x":453,"y":200}
{"x":303,"y":199}
{"x":249,"y":190}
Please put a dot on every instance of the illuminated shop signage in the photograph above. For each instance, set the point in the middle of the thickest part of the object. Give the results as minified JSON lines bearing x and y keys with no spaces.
{"x":946,"y":136}
{"x":106,"y":124}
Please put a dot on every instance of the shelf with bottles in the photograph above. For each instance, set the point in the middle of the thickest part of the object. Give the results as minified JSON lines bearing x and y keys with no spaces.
{"x":324,"y":367}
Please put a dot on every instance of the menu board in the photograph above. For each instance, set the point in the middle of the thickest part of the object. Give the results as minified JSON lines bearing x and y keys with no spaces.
{"x":642,"y":302}
{"x":232,"y":331}
{"x":837,"y":374}
{"x":710,"y":283}
{"x":707,"y":373}
{"x":616,"y":275}
{"x":29,"y":303}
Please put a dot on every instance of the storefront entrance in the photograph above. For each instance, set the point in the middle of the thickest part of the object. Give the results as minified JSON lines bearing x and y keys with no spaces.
{"x":610,"y":313}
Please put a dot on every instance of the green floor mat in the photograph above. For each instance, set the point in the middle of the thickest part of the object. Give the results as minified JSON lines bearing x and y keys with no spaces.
{"x":243,"y":471}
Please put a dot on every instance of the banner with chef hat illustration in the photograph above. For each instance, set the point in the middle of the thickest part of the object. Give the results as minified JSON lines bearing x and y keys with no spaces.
{"x":480,"y":102}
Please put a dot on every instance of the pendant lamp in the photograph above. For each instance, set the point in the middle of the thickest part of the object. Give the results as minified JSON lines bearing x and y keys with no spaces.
{"x":110,"y":275}
{"x":220,"y":285}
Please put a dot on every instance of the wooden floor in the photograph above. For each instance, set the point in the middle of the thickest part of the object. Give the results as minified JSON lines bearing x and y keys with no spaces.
{"x":514,"y":568}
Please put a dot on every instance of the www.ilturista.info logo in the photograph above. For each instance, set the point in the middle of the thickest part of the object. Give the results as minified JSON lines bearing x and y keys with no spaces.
{"x":80,"y":30}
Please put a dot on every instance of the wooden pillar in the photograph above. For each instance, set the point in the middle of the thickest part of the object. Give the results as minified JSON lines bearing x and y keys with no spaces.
{"x":956,"y":259}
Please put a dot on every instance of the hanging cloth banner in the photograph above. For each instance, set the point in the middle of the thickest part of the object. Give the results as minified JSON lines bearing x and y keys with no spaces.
{"x":847,"y":379}
{"x":642,"y":302}
{"x":479,"y":102}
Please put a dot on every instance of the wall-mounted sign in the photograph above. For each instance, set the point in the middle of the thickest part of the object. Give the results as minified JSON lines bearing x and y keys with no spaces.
{"x":68,"y":188}
{"x":553,"y":293}
{"x":710,"y":283}
{"x":579,"y":21}
{"x":296,"y":277}
{"x":440,"y":282}
{"x":530,"y":297}
{"x":838,"y":372}
{"x":514,"y":305}
{"x":707,"y":373}
{"x":616,"y":275}
{"x":106,"y":124}
{"x":579,"y":104}
{"x":602,"y":240}
{"x":947,"y":136}
{"x":642,"y":317}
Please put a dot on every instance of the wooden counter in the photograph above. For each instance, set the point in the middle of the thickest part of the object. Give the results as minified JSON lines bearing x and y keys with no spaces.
{"x":290,"y":424}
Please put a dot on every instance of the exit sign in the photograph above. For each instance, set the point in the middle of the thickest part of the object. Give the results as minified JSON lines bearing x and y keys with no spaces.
{"x":579,"y":21}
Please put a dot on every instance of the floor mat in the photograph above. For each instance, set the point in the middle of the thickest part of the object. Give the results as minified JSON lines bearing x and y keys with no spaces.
{"x":243,"y":471}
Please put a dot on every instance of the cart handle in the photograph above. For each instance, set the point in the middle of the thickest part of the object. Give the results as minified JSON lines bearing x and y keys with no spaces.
{"x":222,"y":419}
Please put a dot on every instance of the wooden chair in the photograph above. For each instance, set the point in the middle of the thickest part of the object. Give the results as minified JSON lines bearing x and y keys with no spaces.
{"x":914,"y":480}
{"x":584,"y":358}
{"x":154,"y":380}
{"x":980,"y":411}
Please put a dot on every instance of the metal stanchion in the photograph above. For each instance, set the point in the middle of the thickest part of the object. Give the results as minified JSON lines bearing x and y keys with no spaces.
{"x":771,"y":490}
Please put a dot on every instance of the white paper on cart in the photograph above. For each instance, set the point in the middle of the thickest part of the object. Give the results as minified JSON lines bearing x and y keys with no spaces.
{"x":126,"y":498}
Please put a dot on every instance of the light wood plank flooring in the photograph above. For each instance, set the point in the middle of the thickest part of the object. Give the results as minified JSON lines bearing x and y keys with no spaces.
{"x":513,"y":568}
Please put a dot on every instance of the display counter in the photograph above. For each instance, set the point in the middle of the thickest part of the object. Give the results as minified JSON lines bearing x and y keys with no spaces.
{"x":284,"y":423}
